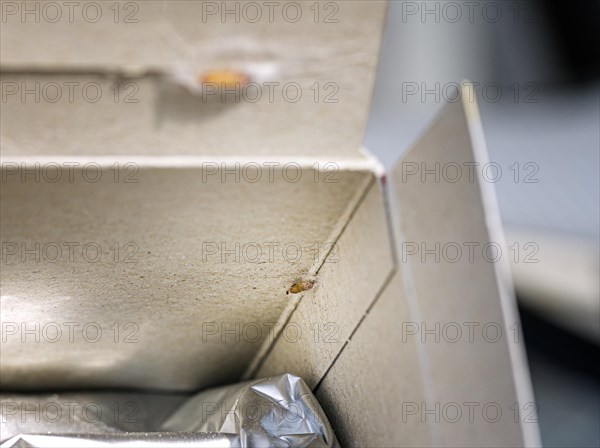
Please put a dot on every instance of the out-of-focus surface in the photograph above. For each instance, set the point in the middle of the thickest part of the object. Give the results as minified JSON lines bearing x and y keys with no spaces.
{"x":536,"y":82}
{"x":565,"y":383}
{"x":143,"y":72}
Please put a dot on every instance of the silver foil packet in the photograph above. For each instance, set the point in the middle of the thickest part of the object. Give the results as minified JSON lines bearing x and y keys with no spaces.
{"x":278,"y":411}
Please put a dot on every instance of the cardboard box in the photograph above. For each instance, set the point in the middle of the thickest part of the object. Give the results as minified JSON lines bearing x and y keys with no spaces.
{"x":182,"y":241}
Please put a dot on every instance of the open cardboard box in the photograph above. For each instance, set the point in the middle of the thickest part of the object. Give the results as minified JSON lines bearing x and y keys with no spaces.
{"x":192,"y":243}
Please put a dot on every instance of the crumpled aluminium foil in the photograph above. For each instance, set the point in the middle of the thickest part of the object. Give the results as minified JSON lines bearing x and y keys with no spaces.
{"x":129,"y":440}
{"x":279,"y":411}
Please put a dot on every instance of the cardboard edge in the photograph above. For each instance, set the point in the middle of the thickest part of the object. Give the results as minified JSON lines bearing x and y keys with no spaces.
{"x":493,"y":222}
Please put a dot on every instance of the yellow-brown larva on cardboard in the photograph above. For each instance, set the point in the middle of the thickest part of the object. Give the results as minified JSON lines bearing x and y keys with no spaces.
{"x":300,"y":286}
{"x":224,"y":78}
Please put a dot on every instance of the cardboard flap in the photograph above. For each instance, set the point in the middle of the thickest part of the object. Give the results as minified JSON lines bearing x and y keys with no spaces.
{"x":188,"y":78}
{"x":454,"y":261}
{"x":439,"y":358}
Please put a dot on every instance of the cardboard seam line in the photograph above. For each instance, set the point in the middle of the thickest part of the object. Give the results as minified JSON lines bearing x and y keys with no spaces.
{"x":384,"y":285}
{"x":380,"y":292}
{"x":260,"y":358}
{"x":395,"y":234}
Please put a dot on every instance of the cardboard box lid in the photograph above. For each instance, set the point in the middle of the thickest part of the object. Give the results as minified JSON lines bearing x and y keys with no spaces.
{"x":309,"y":68}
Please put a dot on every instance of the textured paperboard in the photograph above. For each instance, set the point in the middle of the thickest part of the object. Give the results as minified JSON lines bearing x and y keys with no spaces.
{"x":323,"y":113}
{"x":348,"y":283}
{"x":174,"y":290}
{"x":174,"y":135}
{"x":377,"y":372}
{"x":386,"y":369}
{"x":478,"y":290}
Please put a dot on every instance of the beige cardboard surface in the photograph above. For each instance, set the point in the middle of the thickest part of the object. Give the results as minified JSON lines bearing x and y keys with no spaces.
{"x":465,"y":297}
{"x":153,"y":34}
{"x":372,"y":389}
{"x":134,"y":107}
{"x":139,"y":91}
{"x":181,"y":273}
{"x":347,"y":283}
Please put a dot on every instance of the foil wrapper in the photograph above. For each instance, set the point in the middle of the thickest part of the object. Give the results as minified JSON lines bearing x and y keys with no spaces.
{"x":125,"y":440}
{"x":279,"y":411}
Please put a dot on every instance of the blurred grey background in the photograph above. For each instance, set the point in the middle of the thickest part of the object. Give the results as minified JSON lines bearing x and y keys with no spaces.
{"x":536,"y":74}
